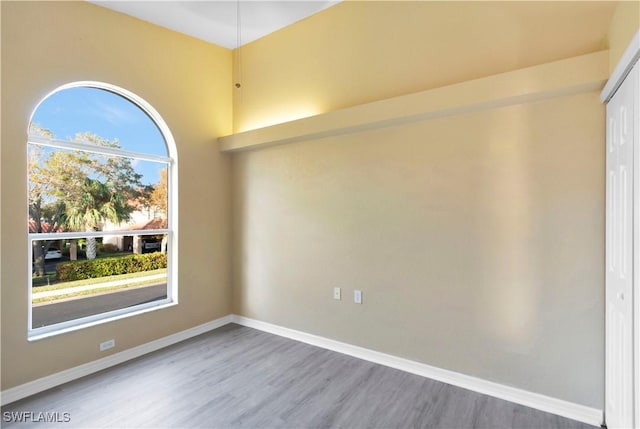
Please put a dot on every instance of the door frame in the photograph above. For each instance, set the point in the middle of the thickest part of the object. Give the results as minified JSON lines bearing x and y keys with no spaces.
{"x":630,"y":57}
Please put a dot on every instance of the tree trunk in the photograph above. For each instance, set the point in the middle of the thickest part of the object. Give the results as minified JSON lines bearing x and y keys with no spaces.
{"x":163,"y":247}
{"x":137,"y":244}
{"x":91,"y":248}
{"x":73,"y":250}
{"x":38,"y":258}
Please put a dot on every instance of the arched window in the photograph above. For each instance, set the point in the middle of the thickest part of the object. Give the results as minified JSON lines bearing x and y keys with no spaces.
{"x":101,"y":217}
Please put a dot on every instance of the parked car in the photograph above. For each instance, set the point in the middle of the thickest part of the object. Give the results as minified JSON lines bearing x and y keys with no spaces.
{"x":53,"y":254}
{"x":151,"y":244}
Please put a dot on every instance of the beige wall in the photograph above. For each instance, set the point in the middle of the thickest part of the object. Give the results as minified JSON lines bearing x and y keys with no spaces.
{"x":476,"y":239}
{"x":48,"y":44}
{"x":357,"y":52}
{"x":624,"y":25}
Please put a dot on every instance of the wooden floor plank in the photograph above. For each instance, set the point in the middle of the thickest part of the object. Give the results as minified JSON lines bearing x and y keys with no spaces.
{"x":238,"y":377}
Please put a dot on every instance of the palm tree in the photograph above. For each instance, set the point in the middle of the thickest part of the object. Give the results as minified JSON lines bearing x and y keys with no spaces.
{"x":96,"y":203}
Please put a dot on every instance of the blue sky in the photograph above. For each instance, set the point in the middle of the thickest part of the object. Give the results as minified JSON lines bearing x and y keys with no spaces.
{"x":107,"y":115}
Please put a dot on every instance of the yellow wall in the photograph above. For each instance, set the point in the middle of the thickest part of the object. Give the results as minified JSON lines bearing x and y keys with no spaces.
{"x":47,"y":44}
{"x":624,"y":25}
{"x":477,"y":239}
{"x":357,"y":52}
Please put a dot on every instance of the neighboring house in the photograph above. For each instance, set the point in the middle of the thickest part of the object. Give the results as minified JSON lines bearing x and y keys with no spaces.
{"x":143,"y":219}
{"x":45,"y":226}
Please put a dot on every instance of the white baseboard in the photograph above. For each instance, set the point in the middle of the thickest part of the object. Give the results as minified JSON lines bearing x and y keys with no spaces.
{"x":53,"y":380}
{"x":545,"y":403}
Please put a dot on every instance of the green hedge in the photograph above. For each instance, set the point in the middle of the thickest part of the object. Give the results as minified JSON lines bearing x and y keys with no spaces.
{"x":81,"y":270}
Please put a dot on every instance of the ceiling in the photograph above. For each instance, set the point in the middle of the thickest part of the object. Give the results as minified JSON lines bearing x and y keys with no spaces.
{"x":215,"y":21}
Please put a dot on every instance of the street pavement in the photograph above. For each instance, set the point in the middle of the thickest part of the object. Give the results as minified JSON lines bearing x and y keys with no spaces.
{"x":62,"y":311}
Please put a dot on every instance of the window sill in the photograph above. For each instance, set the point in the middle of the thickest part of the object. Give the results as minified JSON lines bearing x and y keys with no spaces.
{"x":78,"y":324}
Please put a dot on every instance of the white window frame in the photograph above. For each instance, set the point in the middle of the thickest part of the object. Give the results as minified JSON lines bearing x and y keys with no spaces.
{"x":171,"y":231}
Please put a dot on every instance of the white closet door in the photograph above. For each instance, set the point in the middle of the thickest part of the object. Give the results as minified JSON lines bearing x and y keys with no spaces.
{"x":636,"y":241}
{"x":619,"y":408}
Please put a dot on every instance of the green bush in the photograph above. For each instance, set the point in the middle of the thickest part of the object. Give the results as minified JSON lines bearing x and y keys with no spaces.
{"x":81,"y":270}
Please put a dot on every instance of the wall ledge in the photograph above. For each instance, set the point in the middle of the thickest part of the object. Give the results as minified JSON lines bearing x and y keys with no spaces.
{"x":624,"y":66}
{"x":570,"y":76}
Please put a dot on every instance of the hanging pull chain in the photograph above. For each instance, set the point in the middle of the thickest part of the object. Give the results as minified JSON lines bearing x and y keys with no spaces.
{"x":238,"y":44}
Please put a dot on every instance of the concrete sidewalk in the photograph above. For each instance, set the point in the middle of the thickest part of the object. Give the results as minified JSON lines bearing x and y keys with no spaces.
{"x":96,"y":286}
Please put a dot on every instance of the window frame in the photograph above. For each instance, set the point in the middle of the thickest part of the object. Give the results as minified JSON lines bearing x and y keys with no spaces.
{"x":171,"y":162}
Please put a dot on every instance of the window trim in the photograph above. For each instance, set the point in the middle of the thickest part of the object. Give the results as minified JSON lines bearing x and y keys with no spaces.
{"x":100,"y":150}
{"x":172,"y":214}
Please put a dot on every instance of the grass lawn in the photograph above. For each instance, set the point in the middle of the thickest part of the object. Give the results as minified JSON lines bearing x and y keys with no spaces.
{"x":133,"y":284}
{"x":64,"y":285}
{"x":48,"y":279}
{"x":98,"y":280}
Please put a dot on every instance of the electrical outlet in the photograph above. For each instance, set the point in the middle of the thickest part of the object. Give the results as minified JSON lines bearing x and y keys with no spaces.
{"x":107,"y":345}
{"x":336,"y":293}
{"x":357,"y":296}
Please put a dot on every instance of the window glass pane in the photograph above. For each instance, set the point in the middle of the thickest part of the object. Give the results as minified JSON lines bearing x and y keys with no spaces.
{"x":98,"y":224}
{"x":72,"y":190}
{"x":78,"y":114}
{"x":127,"y":271}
